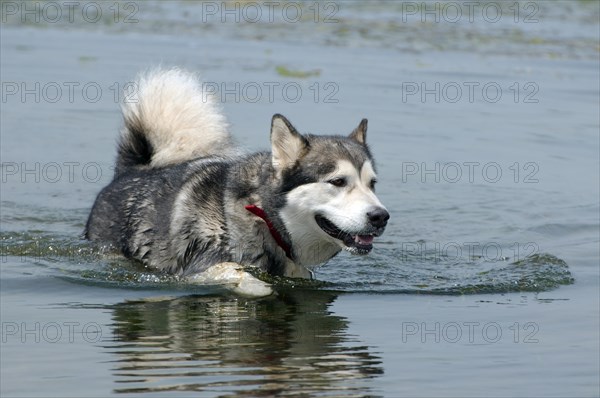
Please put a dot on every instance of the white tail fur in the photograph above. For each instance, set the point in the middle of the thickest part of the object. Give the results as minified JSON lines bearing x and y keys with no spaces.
{"x":169,"y":120}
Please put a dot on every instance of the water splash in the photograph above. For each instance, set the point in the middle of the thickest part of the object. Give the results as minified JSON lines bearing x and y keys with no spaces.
{"x":388,"y":270}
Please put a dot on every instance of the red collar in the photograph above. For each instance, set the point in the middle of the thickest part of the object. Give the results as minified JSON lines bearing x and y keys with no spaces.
{"x":257,"y":211}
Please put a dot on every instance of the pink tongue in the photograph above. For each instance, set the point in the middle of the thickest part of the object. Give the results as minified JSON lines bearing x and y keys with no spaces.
{"x":363,"y":239}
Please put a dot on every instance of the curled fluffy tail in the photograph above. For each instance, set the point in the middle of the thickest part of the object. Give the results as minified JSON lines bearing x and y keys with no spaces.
{"x":170,"y":120}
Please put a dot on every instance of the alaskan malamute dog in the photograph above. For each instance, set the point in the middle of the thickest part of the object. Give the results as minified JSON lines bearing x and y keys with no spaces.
{"x":186,"y":201}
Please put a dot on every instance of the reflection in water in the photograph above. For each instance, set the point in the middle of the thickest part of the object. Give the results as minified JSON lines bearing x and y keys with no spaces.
{"x":290,"y":344}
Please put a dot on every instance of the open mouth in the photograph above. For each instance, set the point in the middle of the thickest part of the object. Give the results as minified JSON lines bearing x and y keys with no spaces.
{"x":360,"y":243}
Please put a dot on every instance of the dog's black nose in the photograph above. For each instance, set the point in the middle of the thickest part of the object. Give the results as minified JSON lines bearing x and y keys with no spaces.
{"x":378,"y":217}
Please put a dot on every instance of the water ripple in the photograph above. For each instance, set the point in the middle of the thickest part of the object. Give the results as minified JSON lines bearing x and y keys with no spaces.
{"x":387,"y":270}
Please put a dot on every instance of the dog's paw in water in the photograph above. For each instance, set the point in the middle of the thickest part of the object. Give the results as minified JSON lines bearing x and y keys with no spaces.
{"x":233,"y":277}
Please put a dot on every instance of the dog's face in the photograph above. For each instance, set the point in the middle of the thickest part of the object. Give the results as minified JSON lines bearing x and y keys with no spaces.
{"x":329,"y":187}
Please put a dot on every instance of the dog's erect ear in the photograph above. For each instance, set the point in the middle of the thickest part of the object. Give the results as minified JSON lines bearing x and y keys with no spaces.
{"x":360,"y":133}
{"x":287,"y":145}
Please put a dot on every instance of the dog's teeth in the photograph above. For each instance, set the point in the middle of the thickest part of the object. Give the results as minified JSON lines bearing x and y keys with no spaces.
{"x":363,"y":239}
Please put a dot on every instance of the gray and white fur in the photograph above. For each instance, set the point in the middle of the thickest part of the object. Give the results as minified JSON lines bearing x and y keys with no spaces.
{"x":178,"y":200}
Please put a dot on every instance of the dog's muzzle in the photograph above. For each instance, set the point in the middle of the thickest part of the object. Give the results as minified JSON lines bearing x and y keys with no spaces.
{"x":378,"y":218}
{"x":357,"y":242}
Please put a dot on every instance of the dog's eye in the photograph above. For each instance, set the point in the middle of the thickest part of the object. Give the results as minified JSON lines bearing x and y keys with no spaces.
{"x":372,"y":184}
{"x":338,"y":182}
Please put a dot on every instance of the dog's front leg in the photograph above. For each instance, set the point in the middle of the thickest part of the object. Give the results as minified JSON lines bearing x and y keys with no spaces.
{"x":293,"y":270}
{"x":232,"y":276}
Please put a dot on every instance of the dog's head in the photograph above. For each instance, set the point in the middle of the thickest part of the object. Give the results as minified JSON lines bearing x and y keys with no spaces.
{"x":329,"y":187}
